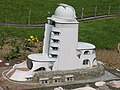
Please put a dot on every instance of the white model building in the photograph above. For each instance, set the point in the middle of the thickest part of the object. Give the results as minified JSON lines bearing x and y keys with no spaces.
{"x":61,"y":49}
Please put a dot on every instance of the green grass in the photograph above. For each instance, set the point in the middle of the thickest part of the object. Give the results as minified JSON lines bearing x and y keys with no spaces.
{"x":105,"y":34}
{"x":21,"y":33}
{"x":17,"y":10}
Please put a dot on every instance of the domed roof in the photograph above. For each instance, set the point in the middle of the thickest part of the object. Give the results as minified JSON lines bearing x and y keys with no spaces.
{"x":65,"y":12}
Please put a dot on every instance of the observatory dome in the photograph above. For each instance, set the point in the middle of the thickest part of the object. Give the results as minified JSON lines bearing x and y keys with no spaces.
{"x":64,"y":11}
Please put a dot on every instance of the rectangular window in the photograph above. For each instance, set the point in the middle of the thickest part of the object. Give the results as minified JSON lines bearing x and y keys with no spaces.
{"x":29,"y":78}
{"x":69,"y":78}
{"x":57,"y":79}
{"x":44,"y":80}
{"x":85,"y":62}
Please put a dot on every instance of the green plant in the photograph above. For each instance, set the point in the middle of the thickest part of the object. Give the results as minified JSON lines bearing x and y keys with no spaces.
{"x":31,"y":41}
{"x":40,"y":50}
{"x":1,"y":43}
{"x":2,"y":40}
{"x":14,"y":53}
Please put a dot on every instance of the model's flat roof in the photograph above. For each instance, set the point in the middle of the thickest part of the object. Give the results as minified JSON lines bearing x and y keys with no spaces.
{"x":40,"y":57}
{"x":84,"y":45}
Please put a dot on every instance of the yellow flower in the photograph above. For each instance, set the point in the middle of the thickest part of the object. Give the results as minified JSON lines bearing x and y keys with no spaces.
{"x":31,"y":37}
{"x":28,"y":40}
{"x":36,"y":40}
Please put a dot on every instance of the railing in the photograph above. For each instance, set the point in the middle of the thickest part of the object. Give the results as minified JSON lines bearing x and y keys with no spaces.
{"x":84,"y":14}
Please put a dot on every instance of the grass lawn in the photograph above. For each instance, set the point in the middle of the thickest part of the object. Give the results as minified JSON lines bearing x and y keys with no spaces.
{"x":21,"y":33}
{"x":104,"y":34}
{"x":18,"y":10}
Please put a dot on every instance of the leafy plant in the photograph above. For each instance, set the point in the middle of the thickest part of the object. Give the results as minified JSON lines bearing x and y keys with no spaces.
{"x":30,"y":43}
{"x":39,"y":50}
{"x":2,"y":40}
{"x":14,"y":53}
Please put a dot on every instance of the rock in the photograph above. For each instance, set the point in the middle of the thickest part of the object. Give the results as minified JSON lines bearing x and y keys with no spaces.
{"x":118,"y":70}
{"x":104,"y":87}
{"x":59,"y":88}
{"x":1,"y":88}
{"x":7,"y":64}
{"x":101,"y":83}
{"x":115,"y":84}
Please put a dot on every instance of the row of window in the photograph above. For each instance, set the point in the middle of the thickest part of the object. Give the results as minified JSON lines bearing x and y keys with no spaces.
{"x":56,"y":79}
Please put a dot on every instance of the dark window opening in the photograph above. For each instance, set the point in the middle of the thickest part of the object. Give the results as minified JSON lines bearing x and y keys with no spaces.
{"x":52,"y":23}
{"x":41,"y":69}
{"x":54,"y":48}
{"x":55,"y":40}
{"x":29,"y":64}
{"x":69,"y":79}
{"x":54,"y":56}
{"x":44,"y":81}
{"x":56,"y":33}
{"x":57,"y":80}
{"x":87,"y":52}
{"x":85,"y":62}
{"x":28,"y":78}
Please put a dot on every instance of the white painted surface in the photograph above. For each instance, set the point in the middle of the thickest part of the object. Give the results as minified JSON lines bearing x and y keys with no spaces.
{"x":65,"y":11}
{"x":46,"y":38}
{"x":40,"y":57}
{"x":20,"y":75}
{"x":21,"y":65}
{"x":37,"y":65}
{"x":85,"y":46}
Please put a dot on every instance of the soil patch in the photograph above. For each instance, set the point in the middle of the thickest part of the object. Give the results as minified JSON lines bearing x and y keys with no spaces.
{"x":111,"y":59}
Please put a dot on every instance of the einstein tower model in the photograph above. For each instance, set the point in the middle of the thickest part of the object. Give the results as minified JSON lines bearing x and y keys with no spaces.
{"x":61,"y":49}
